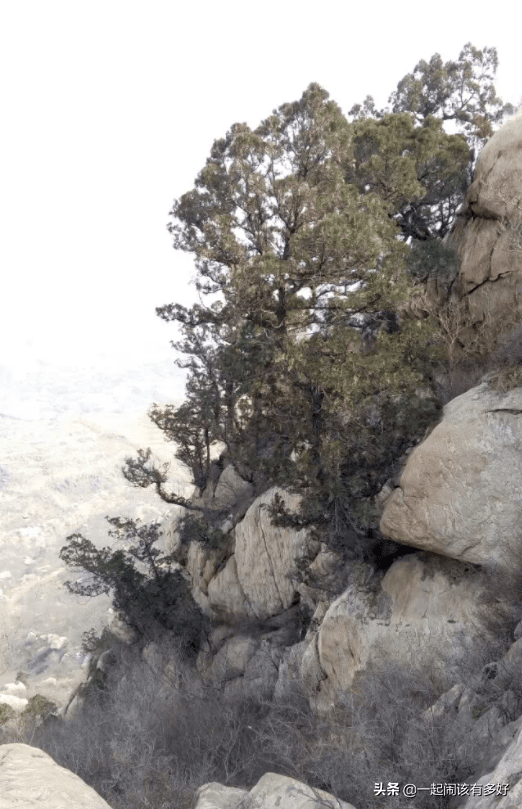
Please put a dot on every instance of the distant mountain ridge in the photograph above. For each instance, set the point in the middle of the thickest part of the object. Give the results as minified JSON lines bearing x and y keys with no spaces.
{"x":64,"y":434}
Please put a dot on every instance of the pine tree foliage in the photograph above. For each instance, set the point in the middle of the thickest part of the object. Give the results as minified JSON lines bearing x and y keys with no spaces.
{"x":436,"y":92}
{"x":313,"y":230}
{"x":153,"y":600}
{"x":279,"y":224}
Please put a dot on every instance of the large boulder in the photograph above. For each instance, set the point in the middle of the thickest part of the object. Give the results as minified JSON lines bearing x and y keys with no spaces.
{"x":30,"y":778}
{"x":459,"y":494}
{"x":488,"y":230}
{"x":267,"y":557}
{"x":254,"y":575}
{"x":271,"y":791}
{"x":423,"y":609}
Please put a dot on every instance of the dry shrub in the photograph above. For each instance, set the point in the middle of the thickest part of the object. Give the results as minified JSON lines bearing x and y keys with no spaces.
{"x":471,"y":349}
{"x":458,"y":379}
{"x":509,"y":347}
{"x":159,"y":733}
{"x":506,"y":361}
{"x":386,"y":736}
{"x":497,"y":681}
{"x":500,"y":603}
{"x":506,"y":379}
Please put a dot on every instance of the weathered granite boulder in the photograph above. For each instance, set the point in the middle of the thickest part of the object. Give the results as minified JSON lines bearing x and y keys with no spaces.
{"x":267,"y":557}
{"x":244,"y":667}
{"x":487,"y":235}
{"x":30,"y":778}
{"x":459,"y":494}
{"x":488,"y":231}
{"x":271,"y":791}
{"x":253,"y":576}
{"x":424,"y":608}
{"x":226,"y":490}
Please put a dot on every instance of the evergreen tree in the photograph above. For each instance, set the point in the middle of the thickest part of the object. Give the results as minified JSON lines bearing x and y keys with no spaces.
{"x":302,"y":258}
{"x":303,"y":369}
{"x":151,"y":602}
{"x":461,"y":92}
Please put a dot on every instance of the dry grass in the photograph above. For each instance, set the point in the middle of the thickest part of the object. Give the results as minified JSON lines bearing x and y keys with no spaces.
{"x":159,"y":734}
{"x":471,"y":349}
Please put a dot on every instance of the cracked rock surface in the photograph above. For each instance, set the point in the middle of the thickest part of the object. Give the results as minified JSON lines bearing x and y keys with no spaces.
{"x":460,"y":490}
{"x":488,"y":230}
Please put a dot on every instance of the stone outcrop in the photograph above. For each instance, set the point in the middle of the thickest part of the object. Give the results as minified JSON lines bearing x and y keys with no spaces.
{"x":30,"y":778}
{"x":271,"y":791}
{"x":286,"y":619}
{"x":244,"y":666}
{"x":488,"y":231}
{"x":253,"y":576}
{"x":459,"y":494}
{"x":487,"y":235}
{"x":422,"y":609}
{"x":254,"y":588}
{"x":267,"y":557}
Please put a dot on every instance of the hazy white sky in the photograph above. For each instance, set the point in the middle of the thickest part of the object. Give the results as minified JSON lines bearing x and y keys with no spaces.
{"x":109,"y":111}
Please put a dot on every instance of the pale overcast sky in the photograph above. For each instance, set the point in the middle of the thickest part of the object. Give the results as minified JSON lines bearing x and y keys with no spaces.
{"x":109,"y":111}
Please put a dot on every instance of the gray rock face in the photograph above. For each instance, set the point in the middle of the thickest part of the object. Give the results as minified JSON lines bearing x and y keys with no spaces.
{"x":487,"y":235}
{"x":488,"y":230}
{"x":267,"y":557}
{"x":30,"y":778}
{"x":422,"y":605}
{"x":244,"y":666}
{"x":271,"y":791}
{"x":459,"y":493}
{"x":254,"y":577}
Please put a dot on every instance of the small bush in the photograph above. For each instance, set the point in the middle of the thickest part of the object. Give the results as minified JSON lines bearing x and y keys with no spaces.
{"x":6,"y":713}
{"x":39,"y":706}
{"x":151,"y":602}
{"x":384,"y":734}
{"x":458,"y":379}
{"x":506,"y":379}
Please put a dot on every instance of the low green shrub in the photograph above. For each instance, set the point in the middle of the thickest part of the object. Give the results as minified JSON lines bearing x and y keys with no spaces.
{"x":6,"y":713}
{"x":151,"y":602}
{"x":39,"y":706}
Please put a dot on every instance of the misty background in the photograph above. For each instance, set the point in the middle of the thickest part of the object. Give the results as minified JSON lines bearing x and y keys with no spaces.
{"x":109,"y":112}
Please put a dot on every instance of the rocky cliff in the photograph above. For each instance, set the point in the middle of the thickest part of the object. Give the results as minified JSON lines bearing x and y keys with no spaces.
{"x":488,"y":230}
{"x":288,"y":617}
{"x":457,"y":503}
